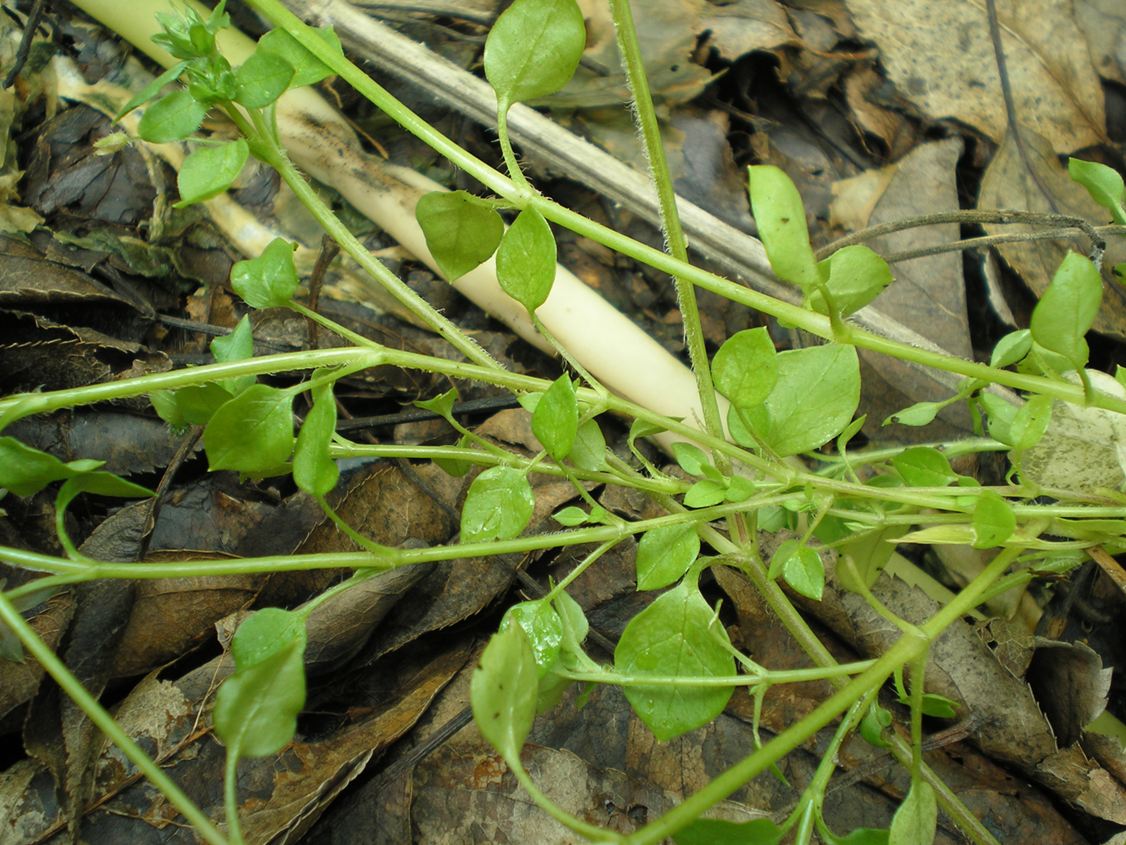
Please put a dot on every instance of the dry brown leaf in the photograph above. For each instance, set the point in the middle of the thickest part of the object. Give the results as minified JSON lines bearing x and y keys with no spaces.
{"x":941,"y":58}
{"x":1104,"y":24}
{"x":928,"y":294}
{"x":1010,"y":184}
{"x":746,"y":25}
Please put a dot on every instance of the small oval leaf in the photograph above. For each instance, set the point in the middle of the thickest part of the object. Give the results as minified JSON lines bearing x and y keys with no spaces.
{"x":534,"y":48}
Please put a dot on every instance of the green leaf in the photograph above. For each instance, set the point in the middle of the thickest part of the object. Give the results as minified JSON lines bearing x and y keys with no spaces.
{"x":915,"y":821}
{"x":542,"y":626}
{"x":704,"y":494}
{"x":993,"y":520}
{"x":873,"y":725}
{"x":801,"y":568}
{"x":152,"y":89}
{"x":237,"y":346}
{"x":691,"y":458}
{"x":923,"y":466}
{"x":25,"y":471}
{"x":861,"y":559}
{"x":314,"y":470}
{"x":533,"y":49}
{"x":938,"y":706}
{"x":780,"y":216}
{"x":461,"y":232}
{"x":999,"y":416}
{"x":173,"y":117}
{"x":455,"y":466}
{"x":498,"y":506}
{"x":526,"y":259}
{"x":261,"y":79}
{"x":665,"y":554}
{"x":555,"y":422}
{"x":672,"y":637}
{"x":815,"y":397}
{"x":1011,"y":348}
{"x":252,"y":433}
{"x":256,"y":708}
{"x":503,"y":692}
{"x":442,"y":405}
{"x":861,"y":836}
{"x":270,"y":280}
{"x":307,"y":68}
{"x":719,"y":832}
{"x":571,"y":516}
{"x":193,"y":405}
{"x":921,"y":413}
{"x":856,"y":276}
{"x":589,"y":451}
{"x":1030,"y":422}
{"x":100,"y":483}
{"x":210,"y":170}
{"x":1067,"y":309}
{"x":1103,"y":183}
{"x":744,"y":369}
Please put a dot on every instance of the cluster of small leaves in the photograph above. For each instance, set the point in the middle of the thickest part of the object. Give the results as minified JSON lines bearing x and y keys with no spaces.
{"x":532,"y":50}
{"x":278,"y":64}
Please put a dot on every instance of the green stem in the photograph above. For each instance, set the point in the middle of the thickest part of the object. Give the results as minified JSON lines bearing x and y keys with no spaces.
{"x":71,"y":686}
{"x":230,"y":795}
{"x":771,"y":677}
{"x":675,"y":241}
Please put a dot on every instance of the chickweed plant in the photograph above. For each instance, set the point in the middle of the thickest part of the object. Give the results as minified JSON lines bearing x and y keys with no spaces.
{"x":768,"y":454}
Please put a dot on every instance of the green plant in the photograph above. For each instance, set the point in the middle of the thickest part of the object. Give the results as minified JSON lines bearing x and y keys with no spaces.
{"x":761,"y":462}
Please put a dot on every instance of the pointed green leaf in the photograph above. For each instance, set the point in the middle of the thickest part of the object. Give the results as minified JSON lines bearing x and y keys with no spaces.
{"x":252,"y":433}
{"x":993,"y":520}
{"x":801,"y":568}
{"x":503,"y":692}
{"x":256,"y":708}
{"x":461,"y":233}
{"x":314,"y":470}
{"x":921,"y":413}
{"x":237,"y":346}
{"x":498,"y":506}
{"x":780,"y":217}
{"x":589,"y":451}
{"x":534,"y":48}
{"x":1067,"y":310}
{"x":25,"y":471}
{"x":1011,"y":348}
{"x":672,"y":637}
{"x":526,"y":259}
{"x":705,"y":493}
{"x":270,"y":280}
{"x":542,"y":626}
{"x":665,"y":554}
{"x":173,"y":117}
{"x":745,"y":367}
{"x":1103,"y":183}
{"x":916,"y":819}
{"x":261,"y":79}
{"x":856,"y":276}
{"x":923,"y":466}
{"x":307,"y":68}
{"x":152,"y":89}
{"x":210,"y":170}
{"x":690,"y":457}
{"x":817,"y":392}
{"x":555,"y":422}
